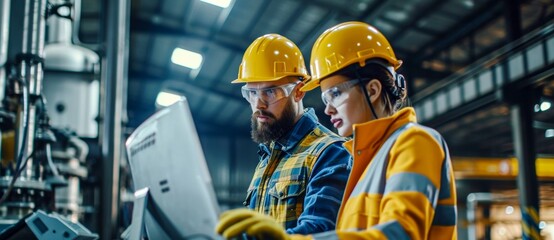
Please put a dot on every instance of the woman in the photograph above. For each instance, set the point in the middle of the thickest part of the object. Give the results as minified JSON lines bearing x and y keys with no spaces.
{"x":401,"y":185}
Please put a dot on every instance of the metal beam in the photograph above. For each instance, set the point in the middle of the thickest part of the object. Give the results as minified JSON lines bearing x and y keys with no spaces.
{"x":330,"y":15}
{"x":499,"y":57}
{"x":221,"y":19}
{"x":429,"y":74}
{"x":289,"y":22}
{"x":139,"y":25}
{"x":474,"y":105}
{"x":464,"y":28}
{"x":339,"y":7}
{"x":186,"y":14}
{"x":152,"y":39}
{"x":204,"y":126}
{"x":412,"y":22}
{"x":214,"y":81}
{"x":372,"y":11}
{"x":265,"y":6}
{"x":144,"y":76}
{"x":543,"y":125}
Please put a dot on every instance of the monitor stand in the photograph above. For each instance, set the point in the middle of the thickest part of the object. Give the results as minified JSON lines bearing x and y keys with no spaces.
{"x":136,"y":230}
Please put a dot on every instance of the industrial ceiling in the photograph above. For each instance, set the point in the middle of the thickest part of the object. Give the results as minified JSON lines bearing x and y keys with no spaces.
{"x":435,"y":38}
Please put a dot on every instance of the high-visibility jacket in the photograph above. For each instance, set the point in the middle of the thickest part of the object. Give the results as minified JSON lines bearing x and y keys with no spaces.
{"x":401,"y":185}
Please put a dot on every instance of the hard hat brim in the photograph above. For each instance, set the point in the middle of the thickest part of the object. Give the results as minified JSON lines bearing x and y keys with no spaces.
{"x":260,"y":79}
{"x":310,"y":85}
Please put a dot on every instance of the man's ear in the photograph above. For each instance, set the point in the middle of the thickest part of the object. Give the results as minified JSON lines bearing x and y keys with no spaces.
{"x":298,"y":95}
{"x":374,"y":88}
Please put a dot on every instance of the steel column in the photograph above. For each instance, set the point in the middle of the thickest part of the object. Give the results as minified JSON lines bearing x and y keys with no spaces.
{"x":114,"y":77}
{"x":524,"y":146}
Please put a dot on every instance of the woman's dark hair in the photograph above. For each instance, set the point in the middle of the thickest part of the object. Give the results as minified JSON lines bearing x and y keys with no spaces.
{"x":393,"y":96}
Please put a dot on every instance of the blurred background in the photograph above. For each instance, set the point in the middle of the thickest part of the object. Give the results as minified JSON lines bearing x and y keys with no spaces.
{"x":78,"y":76}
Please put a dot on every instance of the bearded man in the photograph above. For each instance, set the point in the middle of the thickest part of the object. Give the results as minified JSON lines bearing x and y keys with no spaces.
{"x":303,"y":168}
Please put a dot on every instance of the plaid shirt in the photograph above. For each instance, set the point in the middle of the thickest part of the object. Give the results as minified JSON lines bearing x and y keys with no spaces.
{"x":300,"y":179}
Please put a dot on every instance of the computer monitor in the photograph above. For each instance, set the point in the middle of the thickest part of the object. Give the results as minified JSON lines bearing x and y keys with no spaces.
{"x":167,"y":161}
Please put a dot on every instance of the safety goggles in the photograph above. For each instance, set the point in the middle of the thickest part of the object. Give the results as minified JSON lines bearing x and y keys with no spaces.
{"x":267,"y":95}
{"x":337,"y":95}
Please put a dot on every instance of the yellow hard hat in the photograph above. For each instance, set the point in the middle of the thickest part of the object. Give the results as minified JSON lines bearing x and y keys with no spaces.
{"x":345,"y":44}
{"x":269,"y":58}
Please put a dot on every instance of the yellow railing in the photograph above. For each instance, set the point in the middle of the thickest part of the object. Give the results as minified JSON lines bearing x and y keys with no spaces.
{"x":497,"y":168}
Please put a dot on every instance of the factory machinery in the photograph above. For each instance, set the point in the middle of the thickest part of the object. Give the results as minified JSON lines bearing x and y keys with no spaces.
{"x":49,"y":111}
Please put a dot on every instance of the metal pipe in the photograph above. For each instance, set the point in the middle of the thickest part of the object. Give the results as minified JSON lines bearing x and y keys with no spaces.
{"x":31,"y":73}
{"x":2,"y":85}
{"x":33,"y":43}
{"x":473,"y":199}
{"x":114,"y":76}
{"x":4,"y":30}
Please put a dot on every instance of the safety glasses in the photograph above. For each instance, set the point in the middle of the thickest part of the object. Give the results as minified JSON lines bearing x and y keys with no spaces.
{"x":267,"y":95}
{"x":337,"y":95}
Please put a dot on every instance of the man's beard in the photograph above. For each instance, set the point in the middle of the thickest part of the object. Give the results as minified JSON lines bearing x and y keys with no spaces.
{"x":266,"y":132}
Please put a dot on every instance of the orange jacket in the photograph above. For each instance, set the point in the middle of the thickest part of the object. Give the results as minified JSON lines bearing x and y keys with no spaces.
{"x":401,"y":185}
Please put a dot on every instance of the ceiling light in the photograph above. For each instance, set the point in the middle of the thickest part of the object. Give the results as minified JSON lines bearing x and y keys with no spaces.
{"x":165,"y":99}
{"x":219,"y":3}
{"x":545,"y":106}
{"x":509,"y":210}
{"x":549,"y":133}
{"x":468,"y":3}
{"x":186,"y":58}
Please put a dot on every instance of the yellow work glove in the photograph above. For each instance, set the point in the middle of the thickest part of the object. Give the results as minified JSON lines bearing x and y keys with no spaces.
{"x":233,"y":223}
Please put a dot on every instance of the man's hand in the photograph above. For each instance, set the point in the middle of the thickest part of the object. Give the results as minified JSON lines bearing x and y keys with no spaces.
{"x":233,"y":223}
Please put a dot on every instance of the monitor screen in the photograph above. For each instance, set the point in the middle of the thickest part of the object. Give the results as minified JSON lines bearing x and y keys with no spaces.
{"x":165,"y":156}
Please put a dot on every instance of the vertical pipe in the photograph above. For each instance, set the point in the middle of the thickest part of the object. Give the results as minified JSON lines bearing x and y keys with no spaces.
{"x":4,"y":30}
{"x":524,"y":144}
{"x":31,"y":72}
{"x":473,"y":199}
{"x":114,"y":74}
{"x":33,"y":43}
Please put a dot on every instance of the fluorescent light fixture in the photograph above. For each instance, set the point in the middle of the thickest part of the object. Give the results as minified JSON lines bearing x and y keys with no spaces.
{"x":549,"y":133}
{"x":186,"y":58}
{"x":219,"y":3}
{"x":545,"y":106}
{"x":165,"y":99}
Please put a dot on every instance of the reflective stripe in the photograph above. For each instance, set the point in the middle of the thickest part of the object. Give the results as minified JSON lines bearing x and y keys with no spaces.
{"x":393,"y":230}
{"x":331,"y":235}
{"x":445,"y":215}
{"x":413,"y":182}
{"x":444,"y":192}
{"x":374,"y":180}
